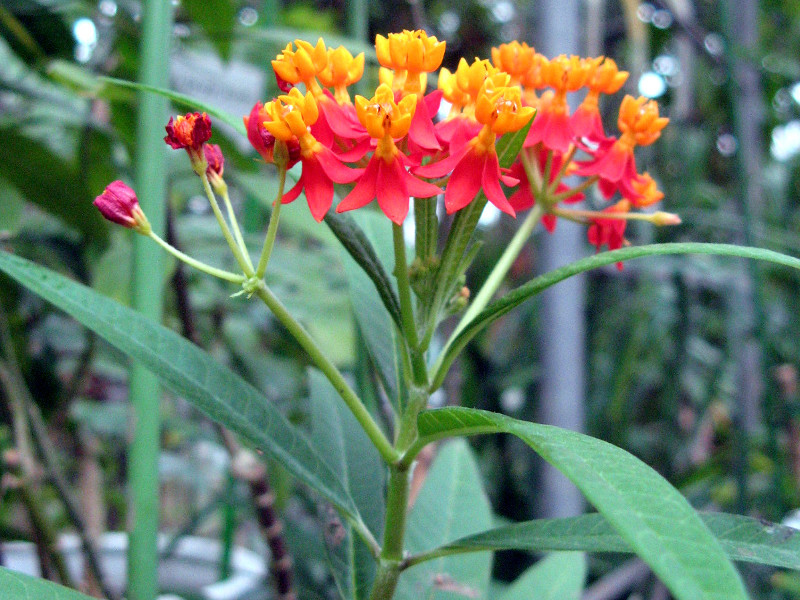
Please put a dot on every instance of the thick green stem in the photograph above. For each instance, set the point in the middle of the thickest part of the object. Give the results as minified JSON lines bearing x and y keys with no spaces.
{"x":389,"y":454}
{"x":200,"y":266}
{"x":492,"y":283}
{"x":391,"y":556}
{"x":244,"y":263}
{"x":272,"y":228}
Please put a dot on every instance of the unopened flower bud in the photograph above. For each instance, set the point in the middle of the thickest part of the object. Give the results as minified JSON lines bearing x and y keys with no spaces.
{"x":215,"y":167}
{"x":665,"y":218}
{"x":118,"y":203}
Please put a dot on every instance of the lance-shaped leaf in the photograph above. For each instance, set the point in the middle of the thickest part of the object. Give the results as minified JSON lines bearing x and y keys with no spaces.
{"x":14,"y":585}
{"x":647,"y":512}
{"x":507,"y":303}
{"x":378,"y":327}
{"x":743,"y":539}
{"x":178,"y":99}
{"x":358,"y":246}
{"x":451,"y":502}
{"x":339,"y":438}
{"x":560,"y":576}
{"x":189,"y":372}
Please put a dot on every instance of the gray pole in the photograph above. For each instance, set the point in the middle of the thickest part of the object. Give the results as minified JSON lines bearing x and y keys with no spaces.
{"x":562,"y":342}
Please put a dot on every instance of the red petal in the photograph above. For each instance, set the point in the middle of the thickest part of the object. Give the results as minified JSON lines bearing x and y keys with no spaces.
{"x":419,"y":189}
{"x":293,"y":193}
{"x":422,"y":132}
{"x":392,"y":192}
{"x":357,"y":152}
{"x":339,"y":120}
{"x":441,"y":168}
{"x":491,"y":185}
{"x":319,"y":188}
{"x":334,"y":169}
{"x":364,"y":192}
{"x":465,"y":182}
{"x":522,"y":199}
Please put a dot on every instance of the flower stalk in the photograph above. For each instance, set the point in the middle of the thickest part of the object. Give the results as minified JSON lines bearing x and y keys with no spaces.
{"x":353,"y":402}
{"x":272,"y":228}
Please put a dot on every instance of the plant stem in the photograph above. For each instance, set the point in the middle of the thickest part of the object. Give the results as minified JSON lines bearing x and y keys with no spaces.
{"x":272,"y":229}
{"x":418,"y":366}
{"x":403,"y":286}
{"x":147,"y":297}
{"x":389,"y":454}
{"x":200,"y":266}
{"x":244,"y":264}
{"x":499,"y":271}
{"x":237,"y":233}
{"x":391,"y":556}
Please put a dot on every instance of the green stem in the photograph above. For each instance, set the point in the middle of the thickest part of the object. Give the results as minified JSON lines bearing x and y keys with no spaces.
{"x":404,"y":287}
{"x":461,"y":231}
{"x":237,"y":232}
{"x":244,"y":264}
{"x":147,"y":297}
{"x":499,"y":271}
{"x":565,"y":162}
{"x":200,"y":266}
{"x":389,"y":454}
{"x":556,"y":198}
{"x":391,"y":557}
{"x":272,"y":229}
{"x":418,"y":367}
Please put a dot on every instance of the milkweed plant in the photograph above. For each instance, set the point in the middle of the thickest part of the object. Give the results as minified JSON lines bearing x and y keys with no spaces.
{"x":497,"y":131}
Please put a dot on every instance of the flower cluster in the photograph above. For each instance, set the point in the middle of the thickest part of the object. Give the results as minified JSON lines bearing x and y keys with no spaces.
{"x":392,"y":146}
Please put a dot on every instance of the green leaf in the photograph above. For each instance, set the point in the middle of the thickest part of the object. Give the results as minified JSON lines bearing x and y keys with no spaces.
{"x":179,"y":99}
{"x":14,"y":586}
{"x":744,"y":539}
{"x":359,"y":247}
{"x":11,"y":204}
{"x":505,"y":304}
{"x":339,"y":438}
{"x":560,"y":576}
{"x":451,"y":503}
{"x":189,"y":372}
{"x":216,"y":18}
{"x":652,"y":516}
{"x":509,"y":145}
{"x":50,"y":182}
{"x":377,"y":326}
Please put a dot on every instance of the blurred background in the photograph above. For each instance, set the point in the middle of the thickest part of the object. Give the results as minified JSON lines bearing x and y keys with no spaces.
{"x":690,"y":363}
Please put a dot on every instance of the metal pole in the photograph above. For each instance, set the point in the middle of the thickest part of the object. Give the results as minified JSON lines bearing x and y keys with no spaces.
{"x":563,"y":331}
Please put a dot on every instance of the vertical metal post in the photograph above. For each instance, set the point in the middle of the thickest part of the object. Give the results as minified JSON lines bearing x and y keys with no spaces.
{"x":563,"y":331}
{"x":147,"y":289}
{"x":358,"y":19}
